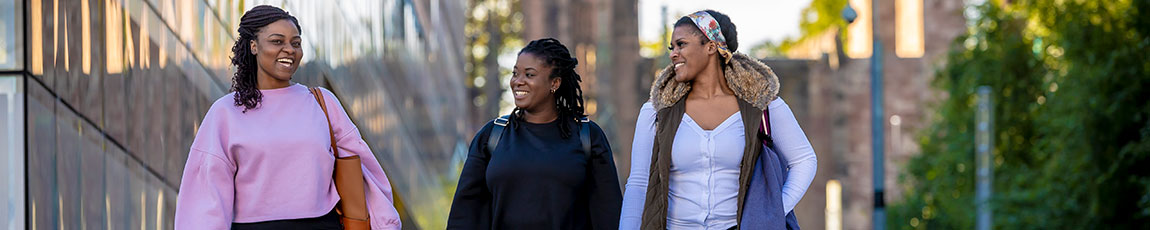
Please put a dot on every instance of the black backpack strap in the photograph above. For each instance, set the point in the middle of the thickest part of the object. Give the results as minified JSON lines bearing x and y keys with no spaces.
{"x":585,"y":134}
{"x":501,"y":122}
{"x":496,"y":132}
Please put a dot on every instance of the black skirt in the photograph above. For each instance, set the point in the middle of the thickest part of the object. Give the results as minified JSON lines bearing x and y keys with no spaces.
{"x":330,"y":221}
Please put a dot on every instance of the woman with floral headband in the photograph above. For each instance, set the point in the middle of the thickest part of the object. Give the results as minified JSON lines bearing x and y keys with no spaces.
{"x":714,"y":147}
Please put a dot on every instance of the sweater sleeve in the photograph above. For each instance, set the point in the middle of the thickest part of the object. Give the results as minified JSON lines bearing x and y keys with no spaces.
{"x":380,"y":203}
{"x":471,"y":207}
{"x":635,"y":194}
{"x":792,"y":143}
{"x":207,"y":188}
{"x":207,"y":192}
{"x":605,"y":197}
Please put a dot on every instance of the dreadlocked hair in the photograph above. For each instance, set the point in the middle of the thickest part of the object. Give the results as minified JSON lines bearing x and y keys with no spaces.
{"x":244,"y":81}
{"x":569,"y":97}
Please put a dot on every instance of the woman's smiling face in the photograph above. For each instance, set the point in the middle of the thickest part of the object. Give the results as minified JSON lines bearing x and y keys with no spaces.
{"x":532,"y":84}
{"x":277,"y":50}
{"x":690,"y":54}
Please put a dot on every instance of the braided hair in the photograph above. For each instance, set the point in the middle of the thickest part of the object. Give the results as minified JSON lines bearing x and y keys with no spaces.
{"x":569,"y":97}
{"x":725,"y":26}
{"x":244,"y":81}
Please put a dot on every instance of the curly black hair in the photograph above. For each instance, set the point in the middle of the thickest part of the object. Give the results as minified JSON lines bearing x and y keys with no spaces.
{"x":569,"y":97}
{"x":244,"y":80}
{"x":725,"y":26}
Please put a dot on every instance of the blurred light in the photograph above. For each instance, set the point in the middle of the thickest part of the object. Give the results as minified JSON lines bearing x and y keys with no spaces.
{"x":1054,"y":51}
{"x":480,"y":82}
{"x":970,"y":43}
{"x":3,"y":49}
{"x":590,"y":61}
{"x":478,"y":100}
{"x":970,"y":10}
{"x":143,"y":207}
{"x":32,"y":213}
{"x":113,"y":37}
{"x":37,"y":36}
{"x":479,"y":51}
{"x":129,"y":43}
{"x":834,"y":205}
{"x":163,"y":45}
{"x":86,"y":39}
{"x":159,"y":209}
{"x":60,"y":209}
{"x":55,"y":31}
{"x":859,"y":38}
{"x":592,"y":107}
{"x":928,"y":213}
{"x":107,"y":210}
{"x":908,"y":29}
{"x":187,"y":25}
{"x":145,"y":42}
{"x":896,"y":134}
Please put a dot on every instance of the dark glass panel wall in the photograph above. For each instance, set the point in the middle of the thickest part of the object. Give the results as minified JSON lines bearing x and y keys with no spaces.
{"x":114,"y":91}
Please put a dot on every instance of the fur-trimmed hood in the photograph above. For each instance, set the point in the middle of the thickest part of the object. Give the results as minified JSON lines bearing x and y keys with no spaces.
{"x":751,"y":80}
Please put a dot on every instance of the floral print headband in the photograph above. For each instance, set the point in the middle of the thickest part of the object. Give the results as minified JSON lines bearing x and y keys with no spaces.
{"x":710,"y":27}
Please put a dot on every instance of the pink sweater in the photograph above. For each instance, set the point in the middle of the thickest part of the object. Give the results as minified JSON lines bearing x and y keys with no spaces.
{"x":274,"y":162}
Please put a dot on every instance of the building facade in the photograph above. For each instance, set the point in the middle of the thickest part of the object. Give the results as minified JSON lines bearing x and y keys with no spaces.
{"x":101,"y":99}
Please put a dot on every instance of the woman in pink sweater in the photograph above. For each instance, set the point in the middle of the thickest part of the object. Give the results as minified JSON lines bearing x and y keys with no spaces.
{"x":262,"y":157}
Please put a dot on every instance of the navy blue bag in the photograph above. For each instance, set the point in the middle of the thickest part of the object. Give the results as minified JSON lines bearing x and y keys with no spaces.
{"x":763,"y":207}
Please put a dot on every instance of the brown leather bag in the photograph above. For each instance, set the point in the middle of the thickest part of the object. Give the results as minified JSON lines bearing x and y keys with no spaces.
{"x":348,"y":179}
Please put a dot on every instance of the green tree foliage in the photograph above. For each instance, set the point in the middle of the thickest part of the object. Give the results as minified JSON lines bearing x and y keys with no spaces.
{"x":1071,"y":87}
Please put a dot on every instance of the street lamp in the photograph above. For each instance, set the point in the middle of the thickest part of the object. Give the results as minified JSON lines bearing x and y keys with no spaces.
{"x":877,"y":116}
{"x":849,"y":14}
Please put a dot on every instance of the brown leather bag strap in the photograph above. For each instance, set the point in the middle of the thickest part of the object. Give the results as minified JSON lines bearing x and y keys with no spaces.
{"x":315,"y":91}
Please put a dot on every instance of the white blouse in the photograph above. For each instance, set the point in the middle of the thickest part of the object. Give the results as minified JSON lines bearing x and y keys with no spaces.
{"x":705,"y":169}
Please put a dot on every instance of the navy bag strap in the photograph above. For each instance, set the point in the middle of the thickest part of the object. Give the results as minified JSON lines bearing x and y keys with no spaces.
{"x":761,"y":210}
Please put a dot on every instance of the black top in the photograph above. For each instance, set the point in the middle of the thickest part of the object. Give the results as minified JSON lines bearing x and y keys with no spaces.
{"x":535,"y":179}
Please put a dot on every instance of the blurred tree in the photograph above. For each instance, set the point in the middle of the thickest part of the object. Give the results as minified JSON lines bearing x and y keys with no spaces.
{"x":491,"y":26}
{"x":1070,"y":86}
{"x":817,"y":18}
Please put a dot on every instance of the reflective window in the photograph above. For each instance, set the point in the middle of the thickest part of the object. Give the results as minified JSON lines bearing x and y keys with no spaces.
{"x":11,"y":35}
{"x":11,"y":152}
{"x":42,"y":202}
{"x":117,"y":193}
{"x":68,"y":147}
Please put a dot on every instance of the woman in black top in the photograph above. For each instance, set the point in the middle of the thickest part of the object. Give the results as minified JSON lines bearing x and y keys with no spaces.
{"x":537,"y":172}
